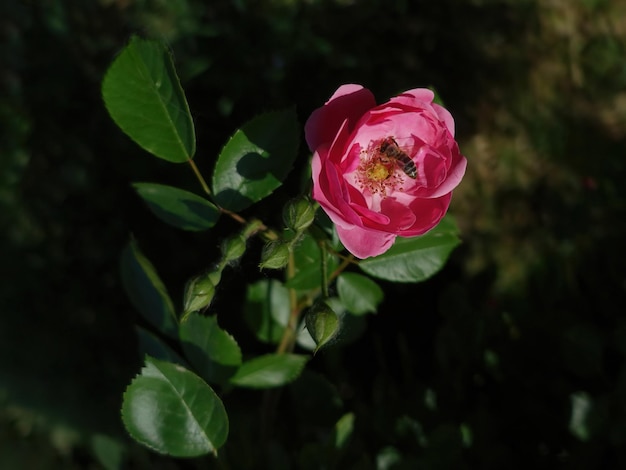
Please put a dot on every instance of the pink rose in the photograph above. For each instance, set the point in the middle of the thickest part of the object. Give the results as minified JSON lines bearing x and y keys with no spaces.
{"x":383,"y":171}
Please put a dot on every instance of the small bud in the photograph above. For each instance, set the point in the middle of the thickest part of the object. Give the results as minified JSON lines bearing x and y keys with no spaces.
{"x":233,"y":248}
{"x":298,"y":214}
{"x":322,"y":323}
{"x":275,"y":255}
{"x":215,"y":276}
{"x":198,"y":293}
{"x":251,"y":228}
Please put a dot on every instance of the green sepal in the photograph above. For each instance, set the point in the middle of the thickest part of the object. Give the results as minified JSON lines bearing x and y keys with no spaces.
{"x":299,"y":214}
{"x":275,"y":255}
{"x":199,"y":293}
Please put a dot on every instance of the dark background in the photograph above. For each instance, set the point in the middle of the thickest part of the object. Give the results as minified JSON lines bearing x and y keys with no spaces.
{"x":512,"y":357}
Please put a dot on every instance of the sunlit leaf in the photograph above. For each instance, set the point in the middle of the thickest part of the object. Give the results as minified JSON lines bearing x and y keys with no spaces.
{"x":172,"y":411}
{"x":178,"y":207}
{"x":270,"y":370}
{"x":146,"y":290}
{"x":359,"y":294}
{"x":256,"y":159}
{"x":143,"y":95}
{"x":213,"y":352}
{"x":415,"y":259}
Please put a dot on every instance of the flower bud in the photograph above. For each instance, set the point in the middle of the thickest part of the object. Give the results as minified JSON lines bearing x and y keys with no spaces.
{"x":215,"y":276}
{"x":198,"y":293}
{"x":298,"y":214}
{"x":275,"y":255}
{"x":322,"y":323}
{"x":233,"y":248}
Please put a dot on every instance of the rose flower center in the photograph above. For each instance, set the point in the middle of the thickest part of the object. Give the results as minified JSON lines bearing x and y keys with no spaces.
{"x":377,"y":172}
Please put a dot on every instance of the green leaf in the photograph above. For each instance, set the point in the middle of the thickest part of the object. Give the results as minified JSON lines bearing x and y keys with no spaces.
{"x":270,"y":370}
{"x":108,"y":451}
{"x":343,"y":430}
{"x":213,"y":352}
{"x":359,"y":294}
{"x":267,"y":309}
{"x":146,"y":291}
{"x":172,"y":411}
{"x":256,"y":159}
{"x":352,"y":326}
{"x":177,"y":207}
{"x":415,"y":259}
{"x":308,"y":266}
{"x":153,"y":346}
{"x":143,"y":95}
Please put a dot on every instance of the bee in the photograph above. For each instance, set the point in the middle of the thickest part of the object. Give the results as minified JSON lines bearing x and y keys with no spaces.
{"x":390,"y":149}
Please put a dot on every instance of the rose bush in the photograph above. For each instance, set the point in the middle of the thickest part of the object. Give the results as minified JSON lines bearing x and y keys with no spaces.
{"x":383,"y":171}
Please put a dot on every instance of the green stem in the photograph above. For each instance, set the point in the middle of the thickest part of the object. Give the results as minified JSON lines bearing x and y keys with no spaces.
{"x":297,"y":306}
{"x":201,"y":179}
{"x":324,"y":267}
{"x":344,"y":264}
{"x":266,"y":232}
{"x":289,"y":335}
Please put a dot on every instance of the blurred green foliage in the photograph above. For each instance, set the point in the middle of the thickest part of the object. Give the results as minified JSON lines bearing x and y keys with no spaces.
{"x":512,"y":357}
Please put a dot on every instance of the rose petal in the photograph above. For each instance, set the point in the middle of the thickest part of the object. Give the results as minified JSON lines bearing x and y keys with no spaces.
{"x":455,"y":175}
{"x":399,"y":214}
{"x":404,"y":126}
{"x":370,"y":218}
{"x":445,"y":116}
{"x":332,"y":188}
{"x":330,"y":194}
{"x":428,"y":213}
{"x":364,"y":243}
{"x":416,"y":97}
{"x":348,"y":102}
{"x":343,"y":134}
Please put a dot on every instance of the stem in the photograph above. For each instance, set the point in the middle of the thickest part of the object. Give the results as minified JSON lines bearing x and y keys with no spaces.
{"x":298,"y":305}
{"x":203,"y":183}
{"x":266,"y":231}
{"x":344,"y":264}
{"x":324,"y":266}
{"x":238,"y":218}
{"x":289,"y":335}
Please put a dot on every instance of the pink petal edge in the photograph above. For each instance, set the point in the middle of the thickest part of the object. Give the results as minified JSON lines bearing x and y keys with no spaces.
{"x":364,"y":243}
{"x":455,"y":175}
{"x":349,"y":102}
{"x":445,"y":116}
